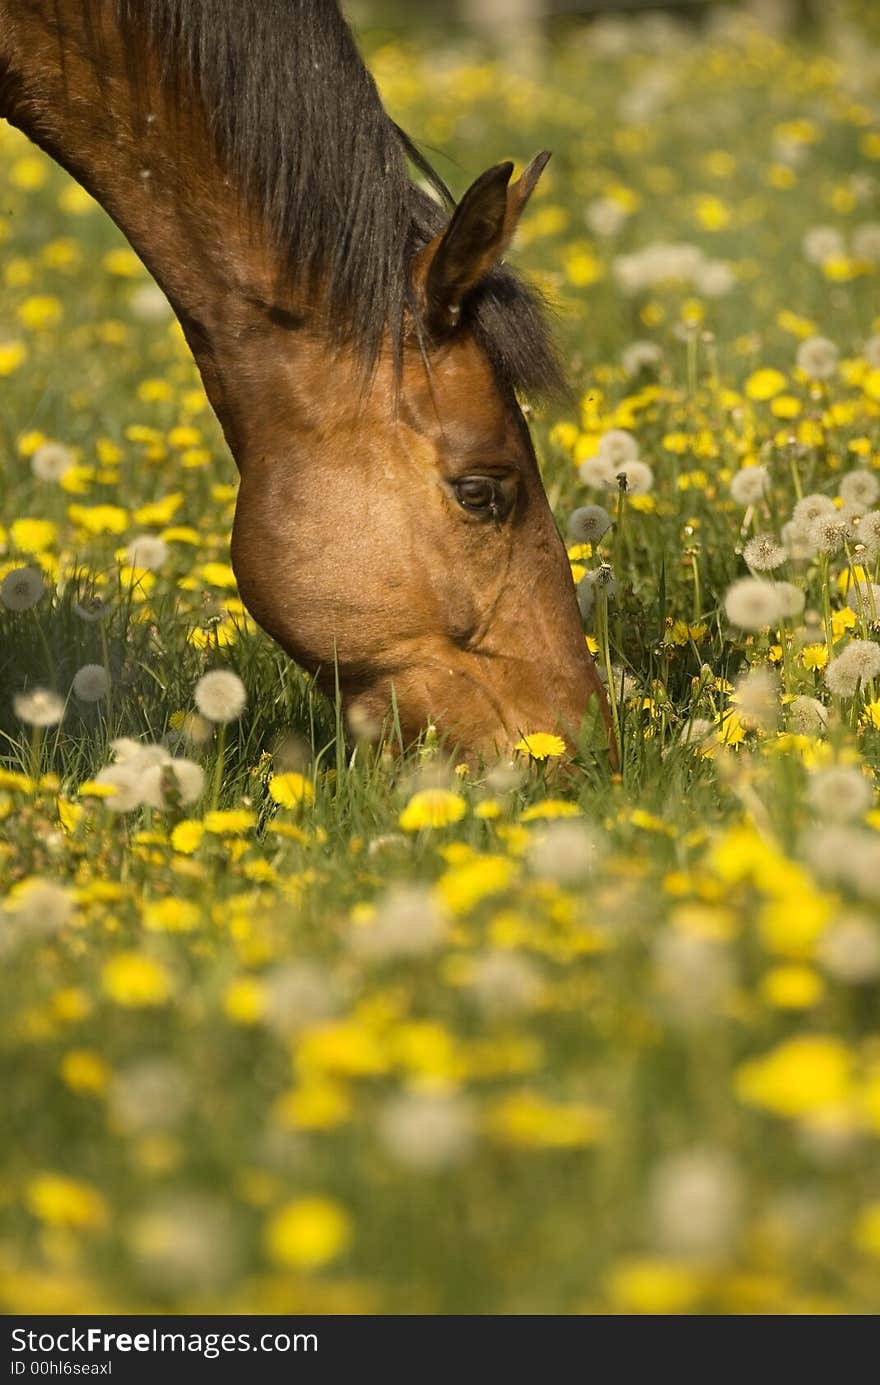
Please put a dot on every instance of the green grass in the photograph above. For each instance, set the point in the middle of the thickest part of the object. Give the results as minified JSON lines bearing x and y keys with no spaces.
{"x":233,"y":1080}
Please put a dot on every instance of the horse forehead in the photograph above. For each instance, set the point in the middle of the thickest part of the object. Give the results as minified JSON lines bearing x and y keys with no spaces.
{"x":460,"y":396}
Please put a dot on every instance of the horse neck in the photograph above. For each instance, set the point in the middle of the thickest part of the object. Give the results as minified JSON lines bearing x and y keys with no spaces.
{"x":153,"y":169}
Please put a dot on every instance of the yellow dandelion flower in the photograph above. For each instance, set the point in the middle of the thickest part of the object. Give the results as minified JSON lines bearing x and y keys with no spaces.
{"x":308,"y":1233}
{"x":866,"y":1232}
{"x":800,"y":1077}
{"x":33,"y":535}
{"x":841,"y":621}
{"x":160,"y":511}
{"x":431,"y":808}
{"x":187,"y":835}
{"x":65,"y":1202}
{"x":170,"y":916}
{"x":134,"y":980}
{"x":347,"y":1048}
{"x":764,"y":384}
{"x":217,"y":575}
{"x":230,"y":820}
{"x":529,"y":1120}
{"x":814,"y":656}
{"x":29,"y":173}
{"x":291,"y":789}
{"x":244,"y":1000}
{"x":99,"y":519}
{"x":651,"y":1285}
{"x":123,"y":263}
{"x":83,"y":1070}
{"x":13,"y":354}
{"x":318,"y":1103}
{"x":538,"y":745}
{"x":39,"y":311}
{"x":550,"y":808}
{"x":467,"y":884}
{"x":792,"y":925}
{"x":792,"y":987}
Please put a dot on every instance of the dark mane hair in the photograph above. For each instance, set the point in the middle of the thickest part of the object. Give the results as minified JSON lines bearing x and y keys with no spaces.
{"x":297,"y":120}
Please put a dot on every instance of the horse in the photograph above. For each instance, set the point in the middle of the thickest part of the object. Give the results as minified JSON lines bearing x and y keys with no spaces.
{"x":360,"y":339}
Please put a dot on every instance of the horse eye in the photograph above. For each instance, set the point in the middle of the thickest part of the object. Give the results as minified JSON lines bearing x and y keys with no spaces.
{"x":481,"y":495}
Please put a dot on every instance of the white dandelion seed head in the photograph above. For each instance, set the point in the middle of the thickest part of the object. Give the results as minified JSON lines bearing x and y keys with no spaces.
{"x":38,"y":908}
{"x":859,"y":490}
{"x":596,"y":473}
{"x":427,"y":1130}
{"x":151,"y":1094}
{"x":791,"y":600}
{"x":807,"y":716}
{"x":823,"y":243}
{"x":849,"y":949}
{"x":750,"y":485}
{"x":692,"y":977}
{"x":22,"y":588}
{"x":585,"y":591}
{"x":752,"y":603}
{"x":818,"y":357}
{"x":617,"y":447}
{"x":866,"y":242}
{"x":173,"y":778}
{"x":39,"y":707}
{"x":641,"y":355}
{"x":91,"y":609}
{"x":629,"y":274}
{"x":51,"y":461}
{"x":149,"y":304}
{"x":147,"y":551}
{"x":695,"y":1202}
{"x":587,"y":524}
{"x":626,"y":687}
{"x":566,"y":851}
{"x":605,"y":216}
{"x":298,"y":994}
{"x":811,"y":508}
{"x":194,"y":729}
{"x":840,"y":793}
{"x":408,"y":922}
{"x":764,"y":552}
{"x":505,"y":983}
{"x":182,"y":1243}
{"x":859,"y":662}
{"x":697,"y":732}
{"x":864,"y":657}
{"x":864,"y":598}
{"x":868,"y":533}
{"x":846,"y":856}
{"x":798,"y":544}
{"x":126,"y":781}
{"x":639,"y":477}
{"x":220,"y":695}
{"x":715,"y":279}
{"x":829,"y":533}
{"x":841,"y":678}
{"x":871,"y":352}
{"x":138,"y":754}
{"x":90,"y":683}
{"x":756,"y":697}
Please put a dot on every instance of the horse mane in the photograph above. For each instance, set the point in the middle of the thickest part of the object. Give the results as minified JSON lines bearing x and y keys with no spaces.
{"x":297,"y":120}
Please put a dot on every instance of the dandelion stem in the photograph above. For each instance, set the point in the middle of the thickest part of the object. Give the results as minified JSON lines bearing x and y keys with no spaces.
{"x":36,"y":755}
{"x":603,"y":637}
{"x":219,"y":765}
{"x":826,"y":605}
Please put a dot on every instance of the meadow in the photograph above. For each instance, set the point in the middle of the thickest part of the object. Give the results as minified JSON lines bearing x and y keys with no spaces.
{"x":292,"y":1024}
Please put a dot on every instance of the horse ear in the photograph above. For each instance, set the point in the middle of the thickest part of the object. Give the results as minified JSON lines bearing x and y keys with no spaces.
{"x":475,"y":239}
